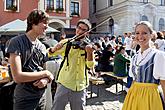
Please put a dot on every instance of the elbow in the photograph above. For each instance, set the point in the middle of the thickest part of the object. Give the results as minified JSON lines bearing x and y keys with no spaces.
{"x":17,"y":79}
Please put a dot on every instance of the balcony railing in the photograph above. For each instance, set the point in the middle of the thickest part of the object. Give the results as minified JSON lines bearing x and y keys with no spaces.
{"x":50,"y":9}
{"x":59,"y":10}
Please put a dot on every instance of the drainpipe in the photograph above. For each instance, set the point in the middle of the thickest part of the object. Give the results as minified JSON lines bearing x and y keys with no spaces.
{"x":67,"y":13}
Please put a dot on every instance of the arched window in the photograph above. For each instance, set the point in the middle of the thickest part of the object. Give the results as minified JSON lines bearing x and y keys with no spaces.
{"x":144,"y":18}
{"x":161,"y":24}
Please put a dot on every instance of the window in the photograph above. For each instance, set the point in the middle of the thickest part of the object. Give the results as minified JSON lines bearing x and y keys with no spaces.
{"x":145,"y":1}
{"x":111,"y":26}
{"x":161,"y":24}
{"x":74,"y":8}
{"x":50,"y":5}
{"x":110,"y":2}
{"x":94,"y":6}
{"x":11,"y":5}
{"x":59,"y":6}
{"x":59,"y":3}
{"x":144,"y":18}
{"x":162,"y":2}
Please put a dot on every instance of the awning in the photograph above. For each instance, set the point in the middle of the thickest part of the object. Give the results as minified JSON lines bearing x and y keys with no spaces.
{"x":19,"y":26}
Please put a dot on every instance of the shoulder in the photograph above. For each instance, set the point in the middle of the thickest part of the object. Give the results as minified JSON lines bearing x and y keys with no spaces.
{"x":18,"y":41}
{"x":159,"y":55}
{"x":18,"y":38}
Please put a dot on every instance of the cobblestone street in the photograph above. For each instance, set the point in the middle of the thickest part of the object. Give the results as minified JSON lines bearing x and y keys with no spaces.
{"x":107,"y":100}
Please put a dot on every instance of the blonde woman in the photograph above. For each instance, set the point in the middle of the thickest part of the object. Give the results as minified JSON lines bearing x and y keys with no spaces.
{"x":147,"y":70}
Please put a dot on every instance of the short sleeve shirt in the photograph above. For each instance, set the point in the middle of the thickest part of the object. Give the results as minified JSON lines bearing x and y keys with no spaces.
{"x":33,"y":56}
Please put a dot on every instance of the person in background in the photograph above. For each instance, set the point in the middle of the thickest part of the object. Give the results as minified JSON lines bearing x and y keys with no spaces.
{"x":124,"y":36}
{"x":72,"y":78}
{"x":147,"y":70}
{"x":121,"y":63}
{"x":104,"y":62}
{"x":134,"y":46}
{"x":113,"y":41}
{"x":127,"y":43}
{"x":160,"y":42}
{"x":27,"y":56}
{"x":119,"y":41}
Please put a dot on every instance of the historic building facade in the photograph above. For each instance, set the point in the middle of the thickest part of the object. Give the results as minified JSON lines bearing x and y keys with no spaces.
{"x":63,"y":13}
{"x":126,"y":13}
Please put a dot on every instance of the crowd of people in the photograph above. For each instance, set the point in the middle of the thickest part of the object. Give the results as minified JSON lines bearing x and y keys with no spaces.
{"x":139,"y":56}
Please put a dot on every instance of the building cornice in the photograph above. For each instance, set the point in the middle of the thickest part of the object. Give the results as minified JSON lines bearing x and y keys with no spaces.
{"x":59,"y":17}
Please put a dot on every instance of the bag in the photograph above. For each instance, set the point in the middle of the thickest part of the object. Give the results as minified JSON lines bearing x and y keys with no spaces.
{"x":6,"y":96}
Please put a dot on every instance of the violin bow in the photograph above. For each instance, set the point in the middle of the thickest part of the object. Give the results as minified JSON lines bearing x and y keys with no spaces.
{"x":79,"y":36}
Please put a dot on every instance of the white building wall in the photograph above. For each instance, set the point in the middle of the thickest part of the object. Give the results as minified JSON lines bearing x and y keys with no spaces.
{"x":126,"y":13}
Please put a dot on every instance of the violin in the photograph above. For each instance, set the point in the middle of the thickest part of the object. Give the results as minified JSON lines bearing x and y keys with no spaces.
{"x":82,"y":44}
{"x":86,"y":41}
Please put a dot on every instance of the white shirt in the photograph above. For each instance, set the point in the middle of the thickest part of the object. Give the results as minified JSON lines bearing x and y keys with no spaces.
{"x":159,"y":62}
{"x":128,"y":42}
{"x":161,"y":44}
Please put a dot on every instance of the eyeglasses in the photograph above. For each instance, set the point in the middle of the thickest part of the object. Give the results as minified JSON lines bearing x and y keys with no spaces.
{"x":78,"y":27}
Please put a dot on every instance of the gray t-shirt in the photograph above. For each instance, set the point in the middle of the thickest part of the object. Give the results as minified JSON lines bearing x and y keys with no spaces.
{"x":33,"y":57}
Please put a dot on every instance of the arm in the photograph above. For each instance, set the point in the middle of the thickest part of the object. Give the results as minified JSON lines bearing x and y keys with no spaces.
{"x":162,"y":82}
{"x":124,"y":59}
{"x":19,"y":76}
{"x":58,"y":49}
{"x":90,"y":54}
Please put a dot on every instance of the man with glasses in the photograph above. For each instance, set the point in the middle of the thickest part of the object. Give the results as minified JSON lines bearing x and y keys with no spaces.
{"x":72,"y":78}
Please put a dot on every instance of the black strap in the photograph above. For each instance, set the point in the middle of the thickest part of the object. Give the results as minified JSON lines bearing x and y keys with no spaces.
{"x":68,"y":46}
{"x":86,"y":69}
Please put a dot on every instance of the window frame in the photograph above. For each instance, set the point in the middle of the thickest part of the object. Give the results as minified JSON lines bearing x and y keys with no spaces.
{"x":162,"y":3}
{"x":110,"y":3}
{"x":161,"y":24}
{"x":145,"y":1}
{"x":75,"y":12}
{"x":14,"y":4}
{"x":58,"y":5}
{"x":49,"y":5}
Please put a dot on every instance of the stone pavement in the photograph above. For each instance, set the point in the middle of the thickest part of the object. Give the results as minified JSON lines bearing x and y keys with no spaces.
{"x":107,"y":100}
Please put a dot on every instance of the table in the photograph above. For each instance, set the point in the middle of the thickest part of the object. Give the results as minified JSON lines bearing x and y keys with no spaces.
{"x":5,"y":80}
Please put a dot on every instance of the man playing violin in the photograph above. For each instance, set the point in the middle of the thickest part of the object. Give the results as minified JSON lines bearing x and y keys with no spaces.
{"x":72,"y":78}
